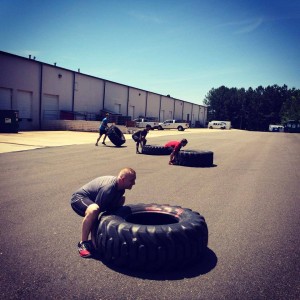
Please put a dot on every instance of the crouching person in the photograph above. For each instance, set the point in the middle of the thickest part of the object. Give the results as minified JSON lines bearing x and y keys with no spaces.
{"x":176,"y":145}
{"x":140,"y":137}
{"x":105,"y":193}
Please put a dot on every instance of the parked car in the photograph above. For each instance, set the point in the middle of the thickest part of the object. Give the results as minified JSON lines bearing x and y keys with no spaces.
{"x":278,"y":128}
{"x":173,"y":124}
{"x":143,"y":122}
{"x":219,"y":125}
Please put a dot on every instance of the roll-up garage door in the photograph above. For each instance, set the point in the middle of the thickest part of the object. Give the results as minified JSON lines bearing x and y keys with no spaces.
{"x":5,"y":98}
{"x":24,"y":104}
{"x":50,"y":107}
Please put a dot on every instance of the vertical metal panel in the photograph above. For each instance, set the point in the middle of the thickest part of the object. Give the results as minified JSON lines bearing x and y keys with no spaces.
{"x":5,"y":99}
{"x":73,"y":91}
{"x":40,"y":97}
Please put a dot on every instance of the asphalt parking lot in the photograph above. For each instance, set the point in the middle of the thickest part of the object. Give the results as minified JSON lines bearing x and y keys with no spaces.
{"x":249,"y":198}
{"x":29,"y":140}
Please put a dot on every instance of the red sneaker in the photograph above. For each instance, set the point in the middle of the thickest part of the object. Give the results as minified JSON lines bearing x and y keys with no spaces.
{"x":85,"y":249}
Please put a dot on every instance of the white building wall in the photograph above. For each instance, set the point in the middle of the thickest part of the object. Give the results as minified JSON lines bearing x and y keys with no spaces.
{"x":27,"y":84}
{"x":203,"y":115}
{"x":20,"y":76}
{"x":178,"y":109}
{"x":59,"y":83}
{"x":187,"y":110}
{"x":195,"y":114}
{"x":116,"y":98}
{"x":153,"y":105}
{"x":166,"y":108}
{"x":89,"y":94}
{"x":136,"y":103}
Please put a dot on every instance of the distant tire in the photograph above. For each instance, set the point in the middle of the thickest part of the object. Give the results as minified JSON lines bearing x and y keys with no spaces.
{"x":156,"y":150}
{"x":180,"y":128}
{"x":160,"y":128}
{"x":191,"y":158}
{"x":150,"y":237}
{"x":116,"y":136}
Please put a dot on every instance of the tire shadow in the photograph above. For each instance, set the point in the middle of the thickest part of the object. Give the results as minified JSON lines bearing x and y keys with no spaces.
{"x":113,"y":146}
{"x":205,"y":264}
{"x":204,"y":167}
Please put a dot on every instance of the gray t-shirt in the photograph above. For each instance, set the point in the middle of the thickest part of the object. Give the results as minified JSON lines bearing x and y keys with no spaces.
{"x":103,"y":191}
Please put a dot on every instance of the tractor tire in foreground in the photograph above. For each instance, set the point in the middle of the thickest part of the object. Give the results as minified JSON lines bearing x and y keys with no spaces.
{"x":191,"y":158}
{"x":116,"y":136}
{"x":156,"y":150}
{"x":152,"y":237}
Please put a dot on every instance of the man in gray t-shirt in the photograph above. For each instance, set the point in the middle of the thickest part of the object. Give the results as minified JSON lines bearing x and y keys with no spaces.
{"x":101,"y":194}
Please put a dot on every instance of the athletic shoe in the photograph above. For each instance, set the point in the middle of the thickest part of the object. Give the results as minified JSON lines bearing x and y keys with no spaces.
{"x":170,"y":163}
{"x":103,"y":143}
{"x":85,"y":248}
{"x":96,"y":144}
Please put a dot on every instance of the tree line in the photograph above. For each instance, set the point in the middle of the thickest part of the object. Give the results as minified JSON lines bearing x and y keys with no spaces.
{"x":253,"y":109}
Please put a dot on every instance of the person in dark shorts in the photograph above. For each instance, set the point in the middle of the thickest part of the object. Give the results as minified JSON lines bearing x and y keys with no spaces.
{"x":103,"y":129}
{"x":176,"y":145}
{"x":105,"y":193}
{"x":140,"y":137}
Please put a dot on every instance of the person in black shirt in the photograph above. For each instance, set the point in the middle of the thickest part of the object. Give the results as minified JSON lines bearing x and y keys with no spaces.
{"x":140,"y":137}
{"x":105,"y":193}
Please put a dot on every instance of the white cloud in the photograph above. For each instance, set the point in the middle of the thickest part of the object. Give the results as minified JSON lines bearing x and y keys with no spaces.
{"x":249,"y":26}
{"x":244,"y":26}
{"x":146,"y":18}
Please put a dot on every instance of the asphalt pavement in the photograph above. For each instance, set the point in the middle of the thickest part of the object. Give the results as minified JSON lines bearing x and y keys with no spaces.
{"x":249,"y":198}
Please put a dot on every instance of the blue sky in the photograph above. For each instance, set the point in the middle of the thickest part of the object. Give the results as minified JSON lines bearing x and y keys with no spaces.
{"x":181,"y":48}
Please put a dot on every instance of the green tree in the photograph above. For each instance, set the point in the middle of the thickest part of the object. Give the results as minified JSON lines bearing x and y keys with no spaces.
{"x":253,"y":109}
{"x":291,"y":107}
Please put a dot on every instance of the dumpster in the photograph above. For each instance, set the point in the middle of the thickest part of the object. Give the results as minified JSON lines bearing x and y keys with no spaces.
{"x":9,"y":121}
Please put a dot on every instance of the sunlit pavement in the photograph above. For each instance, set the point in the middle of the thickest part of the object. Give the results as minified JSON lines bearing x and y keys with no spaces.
{"x":28,"y":140}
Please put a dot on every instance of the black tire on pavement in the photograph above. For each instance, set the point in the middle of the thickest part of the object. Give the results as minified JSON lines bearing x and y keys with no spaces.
{"x":151,"y":237}
{"x":116,"y":136}
{"x":191,"y":158}
{"x":156,"y":150}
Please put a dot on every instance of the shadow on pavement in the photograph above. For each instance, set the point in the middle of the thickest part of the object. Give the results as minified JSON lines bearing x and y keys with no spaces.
{"x":207,"y":262}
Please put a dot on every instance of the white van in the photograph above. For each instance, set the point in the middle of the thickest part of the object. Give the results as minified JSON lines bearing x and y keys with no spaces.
{"x":278,"y":128}
{"x":219,"y":125}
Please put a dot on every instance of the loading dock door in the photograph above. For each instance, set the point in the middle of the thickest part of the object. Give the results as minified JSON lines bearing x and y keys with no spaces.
{"x":5,"y":98}
{"x":162,"y":116}
{"x":50,"y":107}
{"x":131,"y":112}
{"x":24,"y":104}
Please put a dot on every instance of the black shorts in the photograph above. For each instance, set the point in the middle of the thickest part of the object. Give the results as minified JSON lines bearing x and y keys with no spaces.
{"x":136,"y":138}
{"x":80,"y":203}
{"x":102,"y":131}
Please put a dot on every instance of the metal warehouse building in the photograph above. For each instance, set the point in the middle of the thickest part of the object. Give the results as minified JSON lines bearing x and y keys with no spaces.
{"x":47,"y":95}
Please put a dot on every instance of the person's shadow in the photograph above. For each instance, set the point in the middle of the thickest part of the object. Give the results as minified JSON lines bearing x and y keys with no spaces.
{"x":205,"y":264}
{"x":114,"y":146}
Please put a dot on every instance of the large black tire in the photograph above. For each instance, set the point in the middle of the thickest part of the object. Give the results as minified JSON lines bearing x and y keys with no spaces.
{"x":156,"y":150}
{"x":116,"y":136}
{"x":151,"y":237}
{"x":193,"y":158}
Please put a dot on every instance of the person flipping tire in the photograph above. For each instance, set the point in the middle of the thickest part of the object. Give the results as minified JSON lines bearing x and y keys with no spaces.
{"x":103,"y":129}
{"x":140,"y":137}
{"x":176,"y":145}
{"x":105,"y":193}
